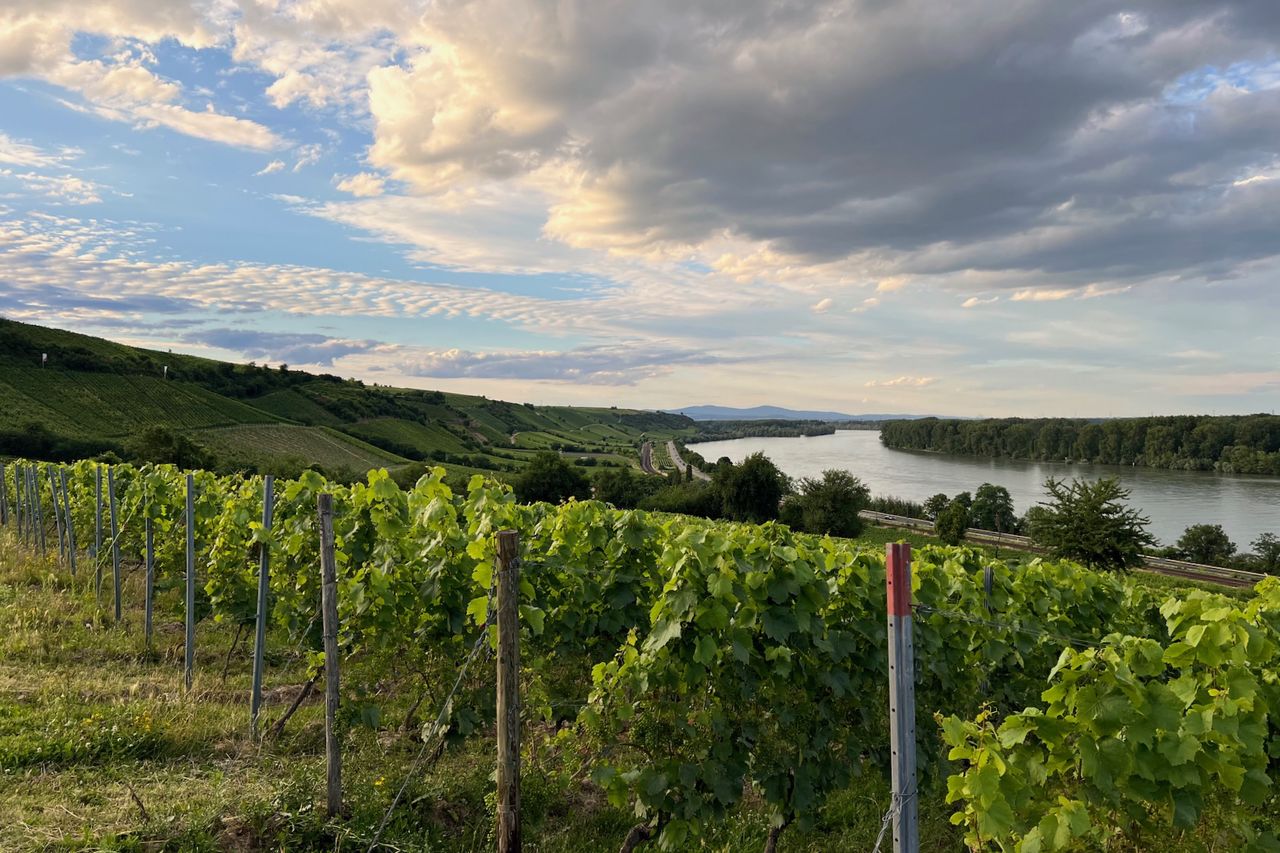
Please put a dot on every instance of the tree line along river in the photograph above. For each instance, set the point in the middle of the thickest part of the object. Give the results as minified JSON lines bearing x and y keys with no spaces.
{"x":1244,"y":505}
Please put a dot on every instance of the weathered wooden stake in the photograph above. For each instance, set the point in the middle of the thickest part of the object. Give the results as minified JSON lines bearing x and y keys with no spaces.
{"x":115,"y":539}
{"x":264,"y":573}
{"x":69,"y":522}
{"x":508,"y":692}
{"x":18,"y":508}
{"x":55,"y":505}
{"x":189,"y":661}
{"x":4,"y":496}
{"x":329,"y":611}
{"x":33,"y":488}
{"x":902,"y":700}
{"x":97,"y":532}
{"x":150,"y":559}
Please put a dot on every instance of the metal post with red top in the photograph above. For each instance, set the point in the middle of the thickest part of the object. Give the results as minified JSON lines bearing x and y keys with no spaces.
{"x":905,"y":809}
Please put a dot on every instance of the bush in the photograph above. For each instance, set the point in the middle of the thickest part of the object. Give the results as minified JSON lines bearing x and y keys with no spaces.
{"x":697,"y":498}
{"x":753,"y":490}
{"x":1207,"y":544}
{"x":952,"y":522}
{"x":897,"y":506}
{"x":934,"y":506}
{"x":828,"y":505}
{"x":549,"y":477}
{"x":163,"y":445}
{"x":1090,"y":524}
{"x":1266,"y":553}
{"x":623,"y":487}
{"x":992,"y":509}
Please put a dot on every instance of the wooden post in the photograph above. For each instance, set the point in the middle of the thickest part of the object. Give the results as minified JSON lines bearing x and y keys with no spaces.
{"x":264,"y":570}
{"x":189,"y":662}
{"x":33,"y":488}
{"x":902,"y":700}
{"x":115,"y":540}
{"x":508,"y":692}
{"x":4,"y":496}
{"x":97,"y":532}
{"x":69,"y":521}
{"x":329,"y":611}
{"x":149,"y":557}
{"x":18,"y":508}
{"x":57,"y":513}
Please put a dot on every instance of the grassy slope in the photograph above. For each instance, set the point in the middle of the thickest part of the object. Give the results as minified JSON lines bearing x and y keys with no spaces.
{"x":94,"y":388}
{"x":92,"y":723}
{"x":322,"y":445}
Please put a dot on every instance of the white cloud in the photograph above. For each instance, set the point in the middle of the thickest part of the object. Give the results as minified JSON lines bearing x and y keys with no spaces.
{"x":270,"y":169}
{"x":307,"y":155}
{"x":975,"y":301}
{"x":823,"y":305}
{"x":17,"y":153}
{"x":902,"y":382}
{"x":364,"y":184}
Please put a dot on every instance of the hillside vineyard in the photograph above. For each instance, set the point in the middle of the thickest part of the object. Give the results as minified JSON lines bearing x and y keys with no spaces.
{"x":1068,"y":708}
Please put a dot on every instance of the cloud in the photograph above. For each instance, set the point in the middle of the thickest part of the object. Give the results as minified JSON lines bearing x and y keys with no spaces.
{"x":364,"y":185}
{"x":271,"y":168}
{"x":975,"y":301}
{"x":823,"y":305}
{"x":902,"y":382}
{"x":289,"y":348}
{"x":307,"y":155}
{"x":17,"y":153}
{"x":615,"y":364}
{"x":60,"y":189}
{"x":37,"y":40}
{"x":1043,"y":141}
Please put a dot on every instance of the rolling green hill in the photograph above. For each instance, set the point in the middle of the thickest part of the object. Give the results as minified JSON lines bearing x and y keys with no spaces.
{"x":95,"y":396}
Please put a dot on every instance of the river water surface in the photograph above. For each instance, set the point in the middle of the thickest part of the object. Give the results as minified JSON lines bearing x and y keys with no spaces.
{"x":1244,"y":505}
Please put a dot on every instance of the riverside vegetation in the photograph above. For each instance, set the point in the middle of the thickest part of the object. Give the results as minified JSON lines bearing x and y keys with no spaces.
{"x":1232,"y":444}
{"x":711,"y":684}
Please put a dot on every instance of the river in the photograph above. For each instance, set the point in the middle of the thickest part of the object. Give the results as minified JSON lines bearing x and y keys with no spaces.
{"x":1244,"y":505}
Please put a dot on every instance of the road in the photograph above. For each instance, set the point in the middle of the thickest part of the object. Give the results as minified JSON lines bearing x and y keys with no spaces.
{"x":646,"y":458}
{"x":1157,"y":565}
{"x":680,"y":463}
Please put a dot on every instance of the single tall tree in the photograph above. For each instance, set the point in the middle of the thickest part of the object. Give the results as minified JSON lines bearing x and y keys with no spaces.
{"x":1091,"y":524}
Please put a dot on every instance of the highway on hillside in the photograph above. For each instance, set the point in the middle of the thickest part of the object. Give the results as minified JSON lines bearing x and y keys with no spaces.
{"x":646,"y":458}
{"x":680,"y":463}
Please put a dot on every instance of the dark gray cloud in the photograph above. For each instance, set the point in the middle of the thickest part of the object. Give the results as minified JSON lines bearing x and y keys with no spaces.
{"x":287,"y":347}
{"x":1080,"y":139}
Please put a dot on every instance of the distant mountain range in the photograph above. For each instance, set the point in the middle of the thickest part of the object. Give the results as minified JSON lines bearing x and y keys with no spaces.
{"x":762,"y":413}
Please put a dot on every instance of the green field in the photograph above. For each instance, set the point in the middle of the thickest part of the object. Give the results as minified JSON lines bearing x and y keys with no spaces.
{"x":268,"y":443}
{"x":104,"y":404}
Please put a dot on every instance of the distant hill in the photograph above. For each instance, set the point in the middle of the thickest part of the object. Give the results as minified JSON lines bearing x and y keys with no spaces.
{"x":93,"y":396}
{"x":761,"y":413}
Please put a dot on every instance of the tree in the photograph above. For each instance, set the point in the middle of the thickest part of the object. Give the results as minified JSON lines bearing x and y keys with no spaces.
{"x":934,"y":505}
{"x":952,"y":522}
{"x":752,"y":490}
{"x":623,"y":487}
{"x":993,"y":510}
{"x":163,"y":445}
{"x":549,"y":477}
{"x":1090,"y":523}
{"x":829,"y":504}
{"x":1207,"y":544}
{"x":1266,"y":550}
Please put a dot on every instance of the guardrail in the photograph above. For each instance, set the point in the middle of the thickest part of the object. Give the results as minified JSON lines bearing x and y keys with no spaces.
{"x":1159,"y":565}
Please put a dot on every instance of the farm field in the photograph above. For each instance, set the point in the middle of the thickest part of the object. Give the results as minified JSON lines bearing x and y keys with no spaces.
{"x":321,"y":445}
{"x":696,"y":676}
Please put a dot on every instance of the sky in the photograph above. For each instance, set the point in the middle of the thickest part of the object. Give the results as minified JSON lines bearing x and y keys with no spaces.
{"x":965,"y":207}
